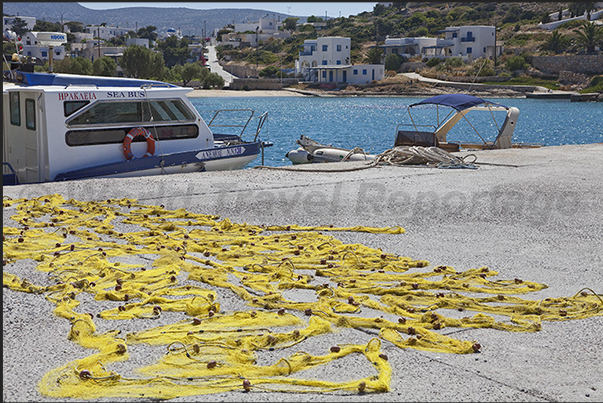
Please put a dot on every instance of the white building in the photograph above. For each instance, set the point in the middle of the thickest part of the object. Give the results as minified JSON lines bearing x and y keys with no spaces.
{"x":407,"y":47}
{"x":327,"y":60}
{"x":328,"y":50}
{"x":468,"y":42}
{"x":348,"y":74}
{"x":266,"y":25}
{"x":104,"y":32}
{"x":252,"y":33}
{"x":138,"y":41}
{"x":31,"y":48}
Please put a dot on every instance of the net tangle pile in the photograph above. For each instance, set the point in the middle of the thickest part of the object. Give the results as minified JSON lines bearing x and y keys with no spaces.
{"x":177,"y":268}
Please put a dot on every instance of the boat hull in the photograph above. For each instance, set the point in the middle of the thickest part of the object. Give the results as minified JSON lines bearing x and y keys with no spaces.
{"x":217,"y":159}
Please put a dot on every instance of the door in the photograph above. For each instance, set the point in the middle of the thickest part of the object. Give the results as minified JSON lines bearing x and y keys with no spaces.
{"x":330,"y":76}
{"x":345,"y":76}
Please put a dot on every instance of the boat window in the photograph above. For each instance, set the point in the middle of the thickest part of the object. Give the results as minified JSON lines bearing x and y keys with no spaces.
{"x":69,"y":107}
{"x":15,"y":108}
{"x":169,"y":110}
{"x":76,"y":138}
{"x":134,"y":112}
{"x":30,"y":114}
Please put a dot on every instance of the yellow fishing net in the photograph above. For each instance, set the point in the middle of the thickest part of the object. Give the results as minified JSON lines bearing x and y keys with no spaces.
{"x":175,"y":262}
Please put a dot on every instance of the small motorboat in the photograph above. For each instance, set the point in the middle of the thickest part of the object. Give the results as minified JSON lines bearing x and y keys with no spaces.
{"x":458,"y":107}
{"x":310,"y":151}
{"x":61,"y":127}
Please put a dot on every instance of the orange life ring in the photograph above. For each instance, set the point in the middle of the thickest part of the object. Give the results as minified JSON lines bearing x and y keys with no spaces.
{"x":135,"y":132}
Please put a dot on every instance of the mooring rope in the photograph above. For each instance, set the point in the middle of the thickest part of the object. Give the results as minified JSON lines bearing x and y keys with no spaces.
{"x":397,"y":156}
{"x":185,"y":263}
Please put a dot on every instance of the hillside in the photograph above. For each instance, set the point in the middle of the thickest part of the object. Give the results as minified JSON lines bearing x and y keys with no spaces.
{"x":190,"y":21}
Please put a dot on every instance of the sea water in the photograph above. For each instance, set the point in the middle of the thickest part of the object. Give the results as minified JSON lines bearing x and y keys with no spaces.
{"x":370,"y":122}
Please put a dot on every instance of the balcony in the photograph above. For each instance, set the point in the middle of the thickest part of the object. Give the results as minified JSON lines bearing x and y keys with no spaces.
{"x":308,"y":53}
{"x":468,"y":39}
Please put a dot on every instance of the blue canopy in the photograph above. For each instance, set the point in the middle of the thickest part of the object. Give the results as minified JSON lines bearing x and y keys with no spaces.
{"x":460,"y":102}
{"x":67,"y":79}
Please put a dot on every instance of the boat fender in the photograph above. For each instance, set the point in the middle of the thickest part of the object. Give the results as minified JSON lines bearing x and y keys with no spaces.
{"x":135,"y":132}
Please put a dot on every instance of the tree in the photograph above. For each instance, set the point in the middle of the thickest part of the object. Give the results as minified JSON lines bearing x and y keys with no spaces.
{"x":141,"y":62}
{"x":516,"y":63}
{"x":392,"y":62}
{"x":157,"y":67}
{"x":147,"y":32}
{"x":20,"y":27}
{"x":104,"y":66}
{"x":174,"y":51}
{"x":290,"y":23}
{"x":589,"y":36}
{"x":75,"y":26}
{"x":190,"y":71}
{"x":47,"y":26}
{"x":557,"y":42}
{"x":581,"y":8}
{"x":73,"y":65}
{"x":269,"y":72}
{"x":213,"y":80}
{"x":373,"y":56}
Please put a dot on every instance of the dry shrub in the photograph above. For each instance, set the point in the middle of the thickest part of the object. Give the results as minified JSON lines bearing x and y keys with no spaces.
{"x":397,"y":79}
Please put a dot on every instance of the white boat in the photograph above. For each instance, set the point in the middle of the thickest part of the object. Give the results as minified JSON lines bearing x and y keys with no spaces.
{"x":61,"y":127}
{"x":458,"y":106}
{"x":310,"y":151}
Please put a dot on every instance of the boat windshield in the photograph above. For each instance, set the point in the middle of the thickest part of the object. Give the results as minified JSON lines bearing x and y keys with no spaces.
{"x":131,"y":112}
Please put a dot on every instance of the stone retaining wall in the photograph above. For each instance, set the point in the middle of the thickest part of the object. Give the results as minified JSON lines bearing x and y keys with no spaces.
{"x":585,"y":64}
{"x":262,"y":83}
{"x":241,"y":71}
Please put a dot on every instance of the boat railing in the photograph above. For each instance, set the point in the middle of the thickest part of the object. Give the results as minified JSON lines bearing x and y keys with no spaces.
{"x":261,"y":121}
{"x":82,"y":85}
{"x":10,"y":177}
{"x":154,"y":85}
{"x":219,"y":122}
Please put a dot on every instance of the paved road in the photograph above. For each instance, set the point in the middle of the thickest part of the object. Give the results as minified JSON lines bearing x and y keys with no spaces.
{"x":215,"y":66}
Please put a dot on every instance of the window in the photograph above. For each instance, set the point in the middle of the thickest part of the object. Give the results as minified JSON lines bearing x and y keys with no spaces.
{"x":324,"y":74}
{"x":338,"y":61}
{"x":339,"y":48}
{"x":324,"y":62}
{"x":325,"y":48}
{"x":70,"y":107}
{"x":455,"y":35}
{"x":395,"y":51}
{"x":484,"y":49}
{"x":15,"y":109}
{"x":133,"y":112}
{"x":364,"y":72}
{"x":44,"y":53}
{"x":469,"y":50}
{"x":30,"y":114}
{"x":76,"y":138}
{"x":355,"y":72}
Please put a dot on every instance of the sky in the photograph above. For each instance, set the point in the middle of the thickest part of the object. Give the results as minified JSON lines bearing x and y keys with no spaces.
{"x":332,"y":10}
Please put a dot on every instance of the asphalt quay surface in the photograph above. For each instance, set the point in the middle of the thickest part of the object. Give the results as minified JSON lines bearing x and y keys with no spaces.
{"x":532,"y":214}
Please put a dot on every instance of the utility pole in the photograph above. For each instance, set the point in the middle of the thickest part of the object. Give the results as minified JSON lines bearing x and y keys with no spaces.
{"x":494,"y":45}
{"x":98,"y":33}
